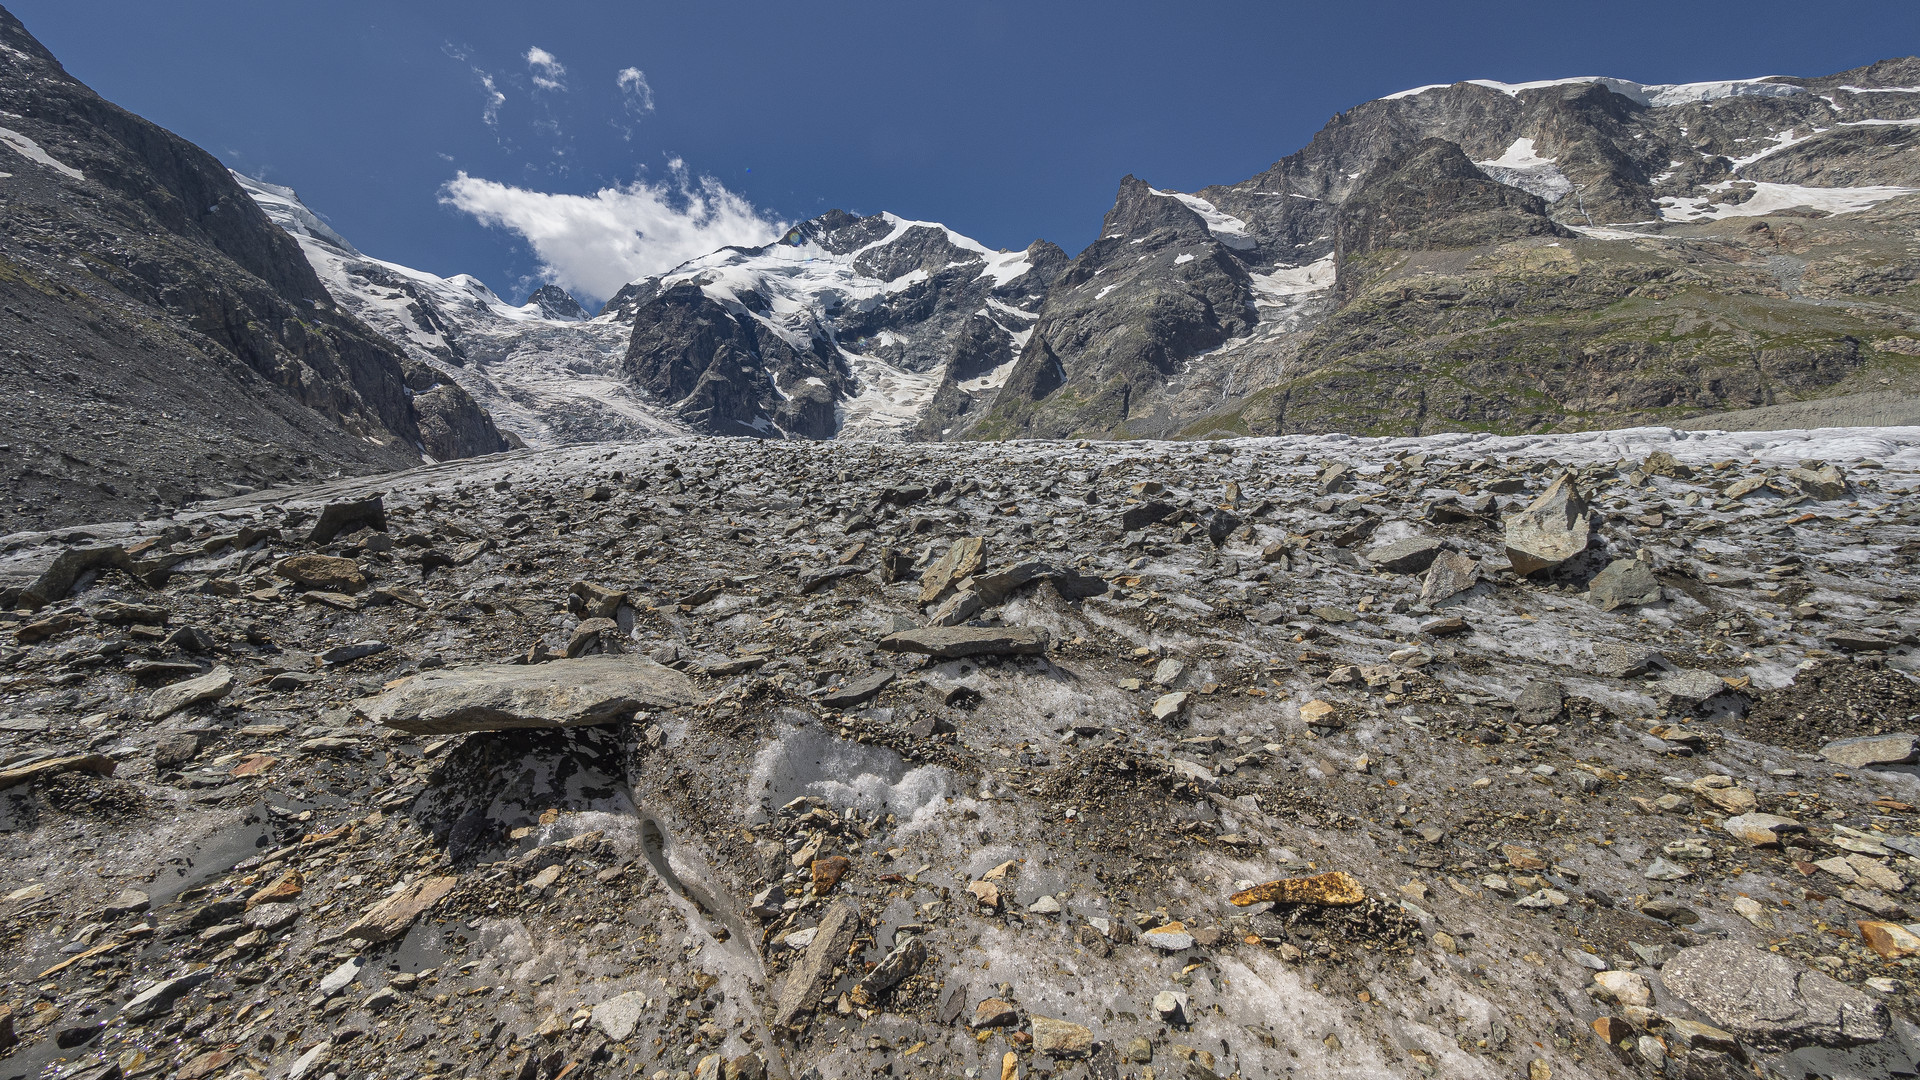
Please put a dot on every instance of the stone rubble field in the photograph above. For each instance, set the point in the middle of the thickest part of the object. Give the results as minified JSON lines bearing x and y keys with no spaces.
{"x":696,"y":759}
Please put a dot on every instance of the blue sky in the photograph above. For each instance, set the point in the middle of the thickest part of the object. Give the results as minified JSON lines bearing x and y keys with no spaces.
{"x":1007,"y":121}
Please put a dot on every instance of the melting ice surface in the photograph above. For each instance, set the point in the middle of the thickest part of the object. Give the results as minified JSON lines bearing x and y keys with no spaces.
{"x":847,"y":775}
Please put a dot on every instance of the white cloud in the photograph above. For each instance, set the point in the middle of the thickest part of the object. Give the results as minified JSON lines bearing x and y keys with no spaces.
{"x":635,"y":94}
{"x":547,"y":69}
{"x":593,"y":244}
{"x":490,"y":114}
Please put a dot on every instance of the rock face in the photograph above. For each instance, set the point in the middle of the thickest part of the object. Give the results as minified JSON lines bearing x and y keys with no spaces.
{"x":1766,"y":1000}
{"x":562,"y":693}
{"x":196,"y":327}
{"x":738,"y":344}
{"x":1430,"y":198}
{"x":1552,"y":529}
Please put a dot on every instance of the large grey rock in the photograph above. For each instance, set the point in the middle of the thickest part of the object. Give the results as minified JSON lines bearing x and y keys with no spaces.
{"x":813,"y":974}
{"x":158,"y":999}
{"x":1694,"y":687}
{"x":38,"y":580}
{"x":1450,"y":574}
{"x":168,"y":700}
{"x":617,"y":1017}
{"x":1768,"y":1001}
{"x":1825,"y":483}
{"x":1409,"y":556}
{"x":1624,"y":582}
{"x":998,"y":585}
{"x":1894,"y":749}
{"x":1539,"y":703}
{"x":1552,"y":529}
{"x":605,"y":689}
{"x":346,"y":517}
{"x":954,"y":642}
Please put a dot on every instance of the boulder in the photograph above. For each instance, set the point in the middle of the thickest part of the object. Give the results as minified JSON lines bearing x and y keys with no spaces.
{"x":1825,"y":482}
{"x":168,"y":700}
{"x":857,"y":691}
{"x":1450,"y":574}
{"x":1693,"y":686}
{"x":1767,"y":1000}
{"x":1897,"y":748}
{"x":617,"y":1017}
{"x":1539,"y":703}
{"x":391,"y":917}
{"x":1760,"y":830}
{"x":962,"y":560}
{"x":1552,"y":529}
{"x":1409,"y":556}
{"x":1624,"y":582}
{"x":811,"y":976}
{"x":36,"y":582}
{"x":1060,"y":1038}
{"x":604,"y":689}
{"x":327,"y":573}
{"x":346,"y":517}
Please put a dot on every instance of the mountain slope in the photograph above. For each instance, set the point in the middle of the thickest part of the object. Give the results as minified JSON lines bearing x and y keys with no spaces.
{"x":544,"y":371}
{"x":1454,"y":305}
{"x":1566,"y":254}
{"x":847,"y":326}
{"x":164,"y":340}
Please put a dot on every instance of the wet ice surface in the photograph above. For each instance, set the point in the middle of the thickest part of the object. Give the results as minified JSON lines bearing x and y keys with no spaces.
{"x":674,"y":857}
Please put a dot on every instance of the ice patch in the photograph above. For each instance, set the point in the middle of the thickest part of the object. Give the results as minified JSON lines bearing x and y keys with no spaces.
{"x":1770,"y":198}
{"x":1658,"y":95}
{"x":1288,"y":282}
{"x":1522,"y":168}
{"x":1226,"y":228}
{"x":889,"y":399}
{"x":30,"y":150}
{"x":846,"y":775}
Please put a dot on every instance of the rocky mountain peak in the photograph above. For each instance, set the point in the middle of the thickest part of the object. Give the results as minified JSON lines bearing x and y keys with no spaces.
{"x":555,"y":302}
{"x":1432,"y":197}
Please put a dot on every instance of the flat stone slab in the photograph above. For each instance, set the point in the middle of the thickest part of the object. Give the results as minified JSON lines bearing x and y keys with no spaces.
{"x":605,"y":689}
{"x":955,"y":642}
{"x":391,"y":917}
{"x":1769,"y":1001}
{"x":168,"y":700}
{"x":1409,"y":556}
{"x":810,"y":977}
{"x":1892,"y":749}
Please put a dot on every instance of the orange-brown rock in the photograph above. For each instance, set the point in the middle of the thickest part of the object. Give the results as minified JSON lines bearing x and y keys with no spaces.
{"x":1890,"y":940}
{"x":285,"y":889}
{"x":1336,"y":889}
{"x":827,"y":873}
{"x":1612,"y":1029}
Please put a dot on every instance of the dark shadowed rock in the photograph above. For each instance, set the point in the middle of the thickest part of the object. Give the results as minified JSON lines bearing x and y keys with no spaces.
{"x":954,"y":642}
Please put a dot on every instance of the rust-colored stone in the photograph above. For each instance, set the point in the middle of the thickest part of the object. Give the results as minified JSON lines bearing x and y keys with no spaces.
{"x":1890,"y":940}
{"x":1612,"y":1029}
{"x":1335,"y":889}
{"x":285,"y":889}
{"x":1522,"y":858}
{"x":827,"y":873}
